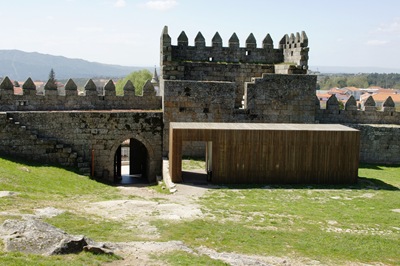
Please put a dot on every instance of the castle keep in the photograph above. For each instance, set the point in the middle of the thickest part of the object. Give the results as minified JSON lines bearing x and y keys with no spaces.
{"x":223,"y":82}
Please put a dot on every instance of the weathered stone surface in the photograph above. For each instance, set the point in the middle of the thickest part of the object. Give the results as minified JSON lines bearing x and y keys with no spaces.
{"x":234,"y":41}
{"x":129,"y":86}
{"x":389,"y":102}
{"x":70,"y":85}
{"x":200,"y":41}
{"x":351,"y":104}
{"x":99,"y":249}
{"x":48,"y":212}
{"x":37,"y":237}
{"x":51,"y":99}
{"x":379,"y":143}
{"x":183,"y":39}
{"x":50,"y":85}
{"x":369,"y":104}
{"x":251,"y":41}
{"x":6,"y":84}
{"x":268,"y":43}
{"x":71,"y":244}
{"x":29,"y":85}
{"x":216,"y":40}
{"x":90,"y":85}
{"x":332,"y":103}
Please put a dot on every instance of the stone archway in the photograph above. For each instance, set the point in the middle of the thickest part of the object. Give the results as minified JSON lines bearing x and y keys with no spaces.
{"x":142,"y":161}
{"x":130,"y":162}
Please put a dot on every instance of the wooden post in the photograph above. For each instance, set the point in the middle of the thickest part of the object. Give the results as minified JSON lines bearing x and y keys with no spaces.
{"x":92,"y":163}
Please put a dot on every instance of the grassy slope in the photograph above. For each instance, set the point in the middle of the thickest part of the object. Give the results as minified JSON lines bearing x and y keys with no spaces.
{"x":331,"y":224}
{"x":47,"y":186}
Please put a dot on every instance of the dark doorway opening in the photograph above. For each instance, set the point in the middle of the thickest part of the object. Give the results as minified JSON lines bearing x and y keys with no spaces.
{"x":131,"y":163}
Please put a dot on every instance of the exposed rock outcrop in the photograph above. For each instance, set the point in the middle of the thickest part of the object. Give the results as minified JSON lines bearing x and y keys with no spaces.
{"x":37,"y":237}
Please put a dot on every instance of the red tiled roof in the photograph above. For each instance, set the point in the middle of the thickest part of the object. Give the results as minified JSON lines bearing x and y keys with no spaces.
{"x":381,"y":97}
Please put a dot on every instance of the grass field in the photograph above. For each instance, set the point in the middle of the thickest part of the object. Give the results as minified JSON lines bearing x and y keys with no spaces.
{"x":331,"y":224}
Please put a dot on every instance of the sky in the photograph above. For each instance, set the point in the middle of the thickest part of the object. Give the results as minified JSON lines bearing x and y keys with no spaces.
{"x":350,"y":33}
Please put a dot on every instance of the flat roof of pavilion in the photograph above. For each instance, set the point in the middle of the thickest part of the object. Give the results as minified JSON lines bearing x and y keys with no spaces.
{"x":260,"y":126}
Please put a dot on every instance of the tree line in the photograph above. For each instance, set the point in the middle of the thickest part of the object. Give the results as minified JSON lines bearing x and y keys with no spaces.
{"x":326,"y":82}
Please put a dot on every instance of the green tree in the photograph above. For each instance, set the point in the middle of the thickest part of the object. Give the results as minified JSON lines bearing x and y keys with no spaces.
{"x":138,"y":79}
{"x":329,"y":82}
{"x":16,"y":84}
{"x":341,"y":104}
{"x":340,"y":82}
{"x":358,"y":81}
{"x":52,"y":80}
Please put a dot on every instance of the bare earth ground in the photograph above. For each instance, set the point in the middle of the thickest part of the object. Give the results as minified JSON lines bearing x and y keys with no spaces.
{"x":178,"y":206}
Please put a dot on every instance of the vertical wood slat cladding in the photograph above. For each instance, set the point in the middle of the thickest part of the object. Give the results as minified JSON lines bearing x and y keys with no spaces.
{"x":272,"y":153}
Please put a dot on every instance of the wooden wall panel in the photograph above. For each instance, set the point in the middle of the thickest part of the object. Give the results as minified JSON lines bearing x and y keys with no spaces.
{"x":272,"y":153}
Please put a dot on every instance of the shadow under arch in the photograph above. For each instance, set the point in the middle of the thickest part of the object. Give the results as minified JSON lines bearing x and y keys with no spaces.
{"x":148,"y":169}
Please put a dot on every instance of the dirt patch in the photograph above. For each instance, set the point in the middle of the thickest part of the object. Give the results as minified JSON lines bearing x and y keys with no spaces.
{"x":7,"y":194}
{"x":138,"y":253}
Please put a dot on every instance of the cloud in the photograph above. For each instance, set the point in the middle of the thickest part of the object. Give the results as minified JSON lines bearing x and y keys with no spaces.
{"x":89,"y":29}
{"x":161,"y":4}
{"x":390,"y":27}
{"x":377,"y":42}
{"x":120,"y":3}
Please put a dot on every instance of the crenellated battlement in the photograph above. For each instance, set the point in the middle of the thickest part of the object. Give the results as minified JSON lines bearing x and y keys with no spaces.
{"x":231,"y":63}
{"x":293,"y":49}
{"x":73,"y":99}
{"x":368,"y":113}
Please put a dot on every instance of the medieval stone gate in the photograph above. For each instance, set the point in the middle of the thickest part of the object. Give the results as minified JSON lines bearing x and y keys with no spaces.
{"x":82,"y":130}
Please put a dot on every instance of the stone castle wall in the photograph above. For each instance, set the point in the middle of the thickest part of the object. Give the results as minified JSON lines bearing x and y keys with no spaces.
{"x":31,"y":100}
{"x":235,"y":84}
{"x":379,"y":143}
{"x":233,"y":63}
{"x":68,"y":137}
{"x":270,"y":99}
{"x":210,"y":71}
{"x":380,"y":129}
{"x":281,"y":98}
{"x":327,"y":116}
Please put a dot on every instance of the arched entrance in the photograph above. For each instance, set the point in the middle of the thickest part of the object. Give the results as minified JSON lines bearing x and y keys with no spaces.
{"x":131,"y":162}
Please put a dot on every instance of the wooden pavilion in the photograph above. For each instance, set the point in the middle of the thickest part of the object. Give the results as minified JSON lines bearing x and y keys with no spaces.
{"x":238,"y":153}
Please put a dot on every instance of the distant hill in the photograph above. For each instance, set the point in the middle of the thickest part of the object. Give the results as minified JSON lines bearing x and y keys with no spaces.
{"x":353,"y":70}
{"x":19,"y":65}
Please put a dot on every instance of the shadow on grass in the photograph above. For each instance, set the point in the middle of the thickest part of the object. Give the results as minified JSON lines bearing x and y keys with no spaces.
{"x":363,"y":183}
{"x":200,"y":180}
{"x":376,"y":167}
{"x":125,"y":181}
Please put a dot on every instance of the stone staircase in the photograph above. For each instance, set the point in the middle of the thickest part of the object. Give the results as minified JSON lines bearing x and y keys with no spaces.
{"x":29,"y":144}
